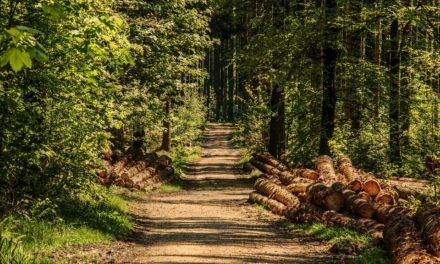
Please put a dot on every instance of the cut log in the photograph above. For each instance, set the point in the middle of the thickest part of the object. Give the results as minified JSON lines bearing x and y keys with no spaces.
{"x":275,"y":206}
{"x":139,"y":181}
{"x":355,"y":185}
{"x":299,"y":185}
{"x":119,"y":182}
{"x":385,"y":212}
{"x":162,"y":162}
{"x":324,"y":165}
{"x":404,"y":242}
{"x":264,"y":186}
{"x":270,"y":160}
{"x":374,"y":228}
{"x":106,"y":170}
{"x":356,"y":205}
{"x":271,"y":178}
{"x":276,"y":192}
{"x":286,"y":177}
{"x":268,"y":169}
{"x":325,"y":197}
{"x":308,"y":174}
{"x":346,"y":168}
{"x":304,"y":213}
{"x":258,"y":198}
{"x":387,"y":195}
{"x":129,"y":172}
{"x":118,"y":167}
{"x":371,"y":186}
{"x":428,"y":218}
{"x":364,"y":196}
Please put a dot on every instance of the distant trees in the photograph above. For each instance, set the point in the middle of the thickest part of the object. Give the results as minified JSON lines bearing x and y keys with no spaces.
{"x":356,"y":77}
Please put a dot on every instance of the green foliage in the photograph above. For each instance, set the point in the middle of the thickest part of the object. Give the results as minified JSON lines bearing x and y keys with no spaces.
{"x":77,"y":78}
{"x":11,"y":251}
{"x":373,"y":255}
{"x":282,"y":46}
{"x":174,"y":186}
{"x":332,"y":234}
{"x":343,"y":236}
{"x":87,"y":220}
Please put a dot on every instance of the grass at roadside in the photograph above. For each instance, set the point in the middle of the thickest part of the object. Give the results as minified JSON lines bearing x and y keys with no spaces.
{"x":344,"y":239}
{"x":86,"y":220}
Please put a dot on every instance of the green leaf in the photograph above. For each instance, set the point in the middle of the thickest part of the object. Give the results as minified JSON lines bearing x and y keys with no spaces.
{"x":26,"y":59}
{"x":15,"y":60}
{"x":37,"y":54}
{"x":28,"y":29}
{"x":4,"y":59}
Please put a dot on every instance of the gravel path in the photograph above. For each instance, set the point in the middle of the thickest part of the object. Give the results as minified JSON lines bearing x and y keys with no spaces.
{"x":210,"y":221}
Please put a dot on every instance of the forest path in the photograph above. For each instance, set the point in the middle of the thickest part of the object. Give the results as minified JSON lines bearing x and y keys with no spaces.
{"x":210,"y":220}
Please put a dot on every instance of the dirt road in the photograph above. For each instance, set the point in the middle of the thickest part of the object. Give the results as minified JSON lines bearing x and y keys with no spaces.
{"x":211,"y":222}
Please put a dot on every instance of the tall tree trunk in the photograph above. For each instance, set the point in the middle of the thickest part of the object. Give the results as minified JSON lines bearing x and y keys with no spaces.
{"x":224,"y":82}
{"x":394,"y":111}
{"x":210,"y":82}
{"x":277,"y":134}
{"x":166,"y":136}
{"x":329,"y":91}
{"x":407,"y":38}
{"x":217,"y":81}
{"x":378,"y":57}
{"x":231,"y":82}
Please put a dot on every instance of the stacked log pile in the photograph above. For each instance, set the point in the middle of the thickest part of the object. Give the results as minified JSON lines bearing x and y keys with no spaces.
{"x":142,"y":175}
{"x":352,"y":198}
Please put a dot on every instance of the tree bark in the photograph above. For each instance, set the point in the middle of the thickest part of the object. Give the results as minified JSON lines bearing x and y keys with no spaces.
{"x":166,"y":136}
{"x":277,"y":136}
{"x":329,"y":97}
{"x":217,"y":81}
{"x":428,"y":217}
{"x":231,"y":82}
{"x":394,"y":112}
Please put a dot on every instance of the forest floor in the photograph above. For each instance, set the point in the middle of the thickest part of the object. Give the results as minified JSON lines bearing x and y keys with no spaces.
{"x":208,"y":221}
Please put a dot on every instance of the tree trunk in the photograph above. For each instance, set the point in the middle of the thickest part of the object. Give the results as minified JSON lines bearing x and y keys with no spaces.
{"x":394,"y":109}
{"x":325,"y":197}
{"x":266,"y":168}
{"x":277,"y":122}
{"x":268,"y":159}
{"x":357,"y":205}
{"x":324,"y":166}
{"x":403,"y":240}
{"x":428,"y":217}
{"x":224,"y":80}
{"x":329,"y":97}
{"x":378,"y":58}
{"x":166,"y":136}
{"x":217,"y":81}
{"x":231,"y":82}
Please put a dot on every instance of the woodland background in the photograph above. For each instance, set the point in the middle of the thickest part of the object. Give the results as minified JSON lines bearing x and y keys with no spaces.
{"x":298,"y":77}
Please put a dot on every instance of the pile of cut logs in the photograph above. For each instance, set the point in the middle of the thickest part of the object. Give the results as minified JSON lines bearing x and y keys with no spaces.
{"x":352,"y":198}
{"x":146,"y":174}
